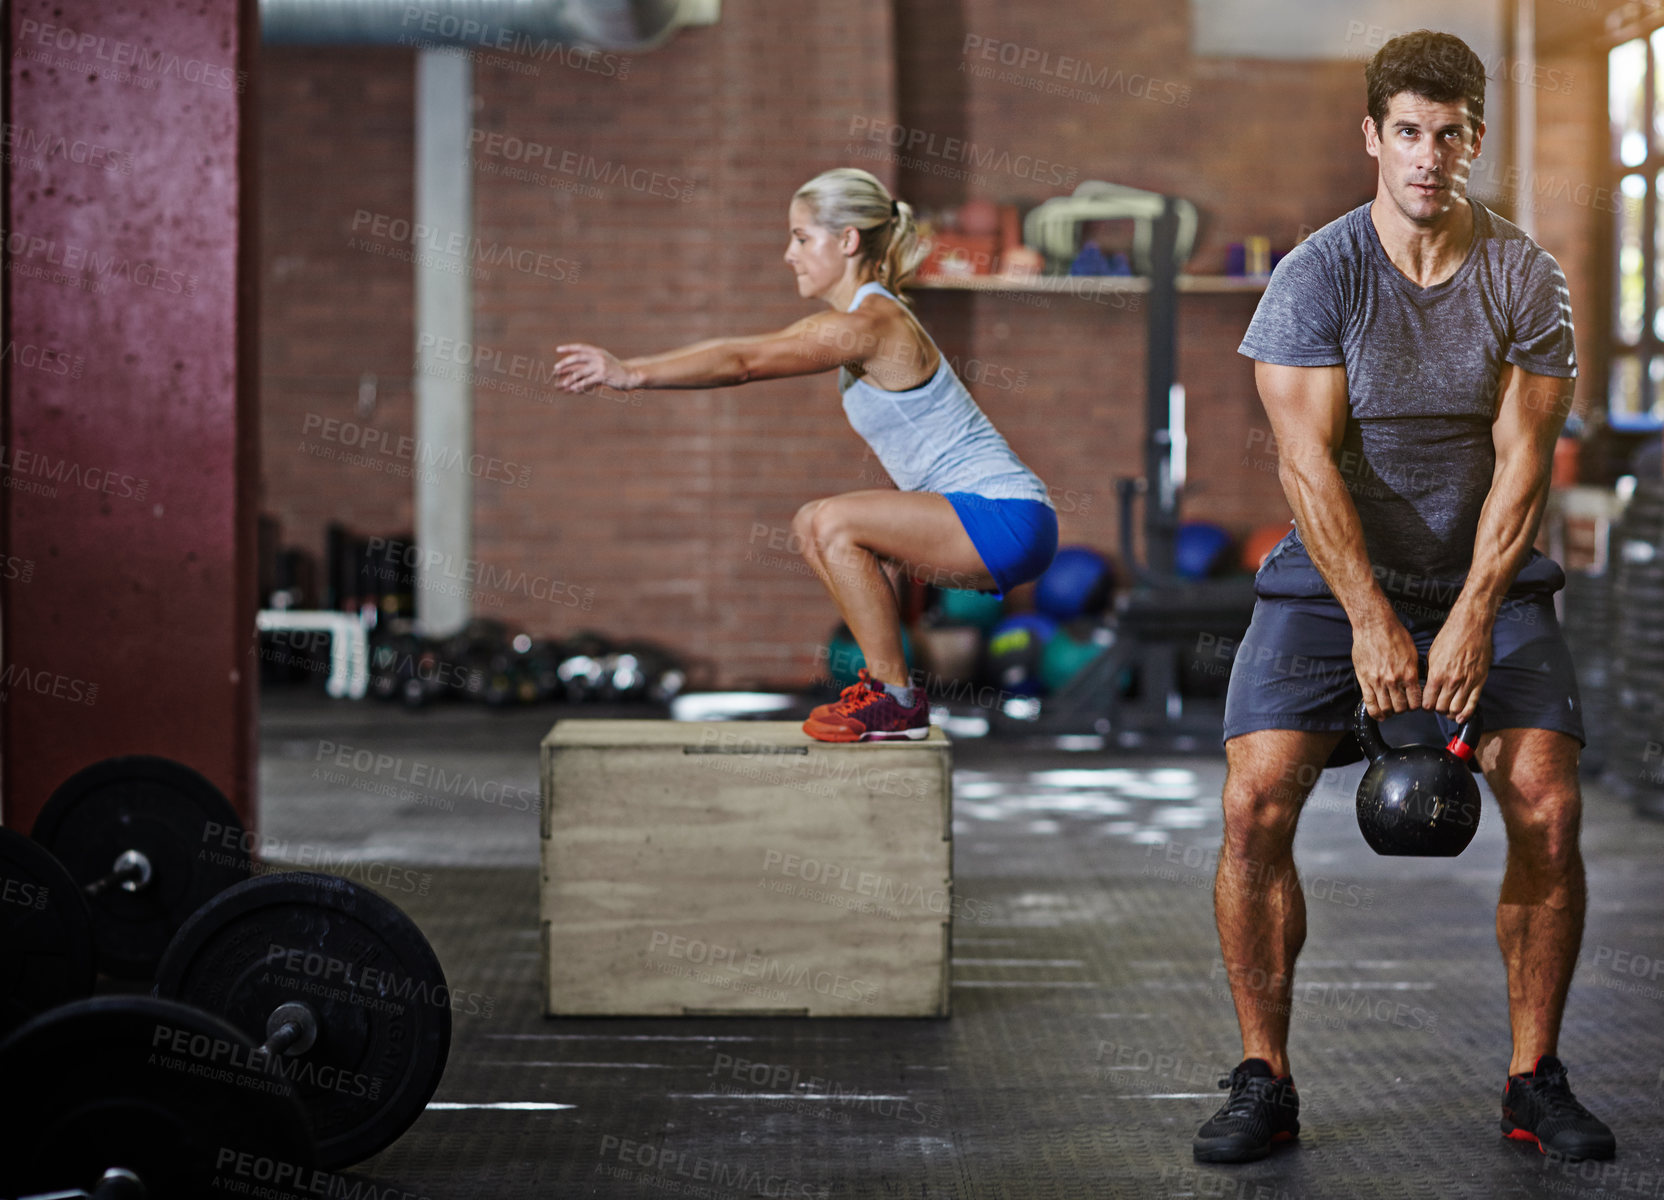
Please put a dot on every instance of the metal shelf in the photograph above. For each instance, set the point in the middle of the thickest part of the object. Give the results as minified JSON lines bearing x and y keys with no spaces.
{"x":1161,"y":617}
{"x":1090,"y":286}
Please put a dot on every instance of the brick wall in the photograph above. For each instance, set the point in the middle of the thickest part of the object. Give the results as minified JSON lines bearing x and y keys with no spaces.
{"x":660,"y":508}
{"x":335,"y":142}
{"x":1572,"y":197}
{"x":653,"y":502}
{"x":1112,"y":92}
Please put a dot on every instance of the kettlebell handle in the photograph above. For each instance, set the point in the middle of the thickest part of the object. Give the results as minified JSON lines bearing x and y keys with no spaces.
{"x":1368,"y":732}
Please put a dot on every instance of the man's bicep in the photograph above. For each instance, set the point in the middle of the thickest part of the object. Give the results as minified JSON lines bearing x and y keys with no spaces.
{"x":1541,"y":335}
{"x":1532,"y":412}
{"x":1306,"y":405}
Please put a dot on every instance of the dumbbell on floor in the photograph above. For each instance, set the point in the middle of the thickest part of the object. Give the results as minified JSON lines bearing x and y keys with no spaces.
{"x":149,"y":840}
{"x":45,"y":932}
{"x":346,"y":993}
{"x":122,"y":853}
{"x":158,"y":1089}
{"x":118,"y":1183}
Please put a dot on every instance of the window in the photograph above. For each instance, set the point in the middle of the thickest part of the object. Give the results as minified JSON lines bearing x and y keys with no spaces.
{"x":1635,"y":107}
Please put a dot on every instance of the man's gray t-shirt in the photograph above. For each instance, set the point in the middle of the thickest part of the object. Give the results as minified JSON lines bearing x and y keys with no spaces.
{"x":1423,"y":367}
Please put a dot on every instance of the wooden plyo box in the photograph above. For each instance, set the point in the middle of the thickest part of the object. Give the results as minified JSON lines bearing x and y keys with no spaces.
{"x":741,"y":867}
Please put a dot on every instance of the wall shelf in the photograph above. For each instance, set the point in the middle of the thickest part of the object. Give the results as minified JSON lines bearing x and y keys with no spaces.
{"x":1090,"y":286}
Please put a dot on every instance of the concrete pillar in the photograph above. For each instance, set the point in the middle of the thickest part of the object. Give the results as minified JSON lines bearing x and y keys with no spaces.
{"x":444,"y":316}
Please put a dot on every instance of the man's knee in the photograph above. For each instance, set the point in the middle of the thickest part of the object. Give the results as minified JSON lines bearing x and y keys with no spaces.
{"x":1544,"y":823}
{"x":1270,"y":775}
{"x":1533,"y":775}
{"x":1261,"y":811}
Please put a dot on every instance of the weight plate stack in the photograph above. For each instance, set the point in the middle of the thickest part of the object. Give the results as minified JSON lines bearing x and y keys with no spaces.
{"x":45,"y":932}
{"x":393,"y":661}
{"x":368,"y":978}
{"x":182,"y":825}
{"x":1587,"y":624}
{"x":1636,"y":717}
{"x":161,"y":1089}
{"x":580,"y":668}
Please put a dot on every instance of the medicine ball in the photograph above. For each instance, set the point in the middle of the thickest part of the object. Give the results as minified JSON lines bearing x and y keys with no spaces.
{"x":1079,"y":582}
{"x":1016,"y":647}
{"x":1200,"y":549}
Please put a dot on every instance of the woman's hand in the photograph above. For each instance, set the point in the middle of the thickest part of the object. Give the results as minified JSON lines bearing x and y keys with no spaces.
{"x":582,"y":367}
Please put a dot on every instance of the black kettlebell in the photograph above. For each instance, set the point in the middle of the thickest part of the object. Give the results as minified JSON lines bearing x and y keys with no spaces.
{"x":1417,"y":800}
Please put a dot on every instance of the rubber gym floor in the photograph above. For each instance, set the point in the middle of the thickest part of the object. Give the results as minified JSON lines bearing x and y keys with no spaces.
{"x":1091,"y":1020}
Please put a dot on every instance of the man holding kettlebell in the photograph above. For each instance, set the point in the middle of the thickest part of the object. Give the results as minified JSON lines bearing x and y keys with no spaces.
{"x":1415,"y":359}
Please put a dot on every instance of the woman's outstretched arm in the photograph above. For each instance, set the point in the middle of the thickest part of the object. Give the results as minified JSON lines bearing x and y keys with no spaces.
{"x":814,"y":344}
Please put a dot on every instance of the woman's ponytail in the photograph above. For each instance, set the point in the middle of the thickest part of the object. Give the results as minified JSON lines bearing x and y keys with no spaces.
{"x":903,"y":253}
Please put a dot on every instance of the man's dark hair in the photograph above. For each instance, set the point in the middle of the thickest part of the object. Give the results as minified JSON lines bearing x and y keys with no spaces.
{"x":1436,"y":66}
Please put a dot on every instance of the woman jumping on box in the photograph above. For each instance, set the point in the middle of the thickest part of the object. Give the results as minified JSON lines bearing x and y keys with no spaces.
{"x":968,"y":513}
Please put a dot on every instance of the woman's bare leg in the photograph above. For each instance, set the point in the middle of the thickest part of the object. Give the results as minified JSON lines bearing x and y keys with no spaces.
{"x":845,"y":538}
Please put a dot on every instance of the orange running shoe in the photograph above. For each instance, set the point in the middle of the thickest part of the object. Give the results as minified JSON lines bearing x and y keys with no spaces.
{"x":865,"y":712}
{"x":864,"y":681}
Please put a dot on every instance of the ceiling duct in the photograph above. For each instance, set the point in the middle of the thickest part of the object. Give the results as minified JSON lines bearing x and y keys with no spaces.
{"x":633,"y":25}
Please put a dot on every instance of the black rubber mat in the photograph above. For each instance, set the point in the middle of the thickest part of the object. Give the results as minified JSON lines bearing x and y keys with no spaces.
{"x":1091,"y":1024}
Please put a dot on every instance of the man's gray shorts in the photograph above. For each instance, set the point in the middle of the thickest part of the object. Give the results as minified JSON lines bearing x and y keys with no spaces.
{"x":1294,"y":670}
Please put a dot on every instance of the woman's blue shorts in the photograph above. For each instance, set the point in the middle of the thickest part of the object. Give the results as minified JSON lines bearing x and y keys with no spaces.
{"x":1017,"y":539}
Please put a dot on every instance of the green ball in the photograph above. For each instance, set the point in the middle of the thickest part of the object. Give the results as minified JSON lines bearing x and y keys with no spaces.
{"x":1065,"y":656}
{"x":965,"y":607}
{"x":844,"y":659}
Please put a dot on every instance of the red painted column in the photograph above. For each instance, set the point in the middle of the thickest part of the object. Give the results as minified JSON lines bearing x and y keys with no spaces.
{"x":127,"y":590}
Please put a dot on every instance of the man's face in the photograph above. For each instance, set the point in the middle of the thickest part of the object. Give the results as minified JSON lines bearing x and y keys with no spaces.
{"x":1426,"y":149}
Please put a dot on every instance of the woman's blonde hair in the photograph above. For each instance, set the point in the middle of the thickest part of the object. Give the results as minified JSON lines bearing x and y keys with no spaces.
{"x":850,"y":197}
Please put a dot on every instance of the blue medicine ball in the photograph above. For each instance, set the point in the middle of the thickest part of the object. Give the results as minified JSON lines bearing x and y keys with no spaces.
{"x":1200,"y":549}
{"x":1016,"y":647}
{"x":1079,"y":582}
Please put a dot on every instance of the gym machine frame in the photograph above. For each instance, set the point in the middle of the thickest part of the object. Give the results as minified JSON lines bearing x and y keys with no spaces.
{"x":1163,"y":615}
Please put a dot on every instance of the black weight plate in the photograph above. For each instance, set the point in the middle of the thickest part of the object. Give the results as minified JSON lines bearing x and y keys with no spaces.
{"x":160,"y":1088}
{"x":177,"y":818}
{"x":382,"y":1005}
{"x":45,"y":932}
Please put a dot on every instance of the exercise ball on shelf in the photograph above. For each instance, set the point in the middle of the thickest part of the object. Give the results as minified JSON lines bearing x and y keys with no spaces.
{"x":1016,"y":647}
{"x":1200,"y":549}
{"x":1079,"y":582}
{"x":1070,"y":650}
{"x":1261,"y":542}
{"x":959,"y":606}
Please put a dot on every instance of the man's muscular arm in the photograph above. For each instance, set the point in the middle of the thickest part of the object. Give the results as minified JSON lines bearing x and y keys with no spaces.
{"x":1307,"y":407}
{"x":1530,"y":413}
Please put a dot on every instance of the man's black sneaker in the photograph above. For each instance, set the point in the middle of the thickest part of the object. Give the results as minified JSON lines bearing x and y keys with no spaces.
{"x":1540,"y":1108}
{"x":1263,"y":1109}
